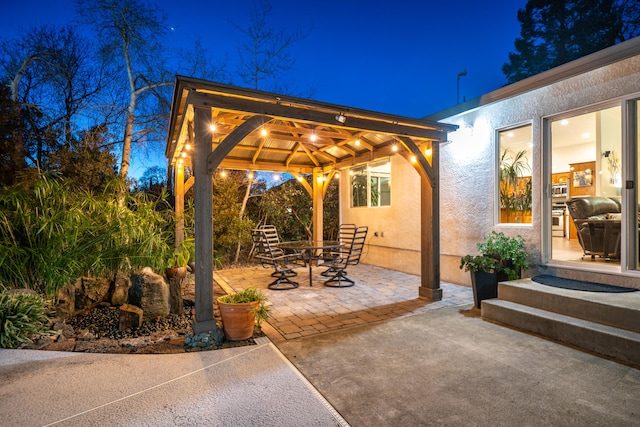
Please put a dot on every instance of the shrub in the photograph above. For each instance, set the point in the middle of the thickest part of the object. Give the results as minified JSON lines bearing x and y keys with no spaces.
{"x":22,"y":315}
{"x":51,"y":235}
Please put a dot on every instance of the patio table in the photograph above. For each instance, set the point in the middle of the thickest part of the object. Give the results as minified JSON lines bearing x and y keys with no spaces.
{"x":308,"y":247}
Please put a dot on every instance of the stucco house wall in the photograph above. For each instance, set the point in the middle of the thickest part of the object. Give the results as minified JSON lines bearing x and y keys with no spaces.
{"x":397,"y":244}
{"x":468,"y":170}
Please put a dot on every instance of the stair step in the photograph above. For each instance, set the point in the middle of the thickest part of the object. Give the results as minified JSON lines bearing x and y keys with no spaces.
{"x":620,"y":310}
{"x":620,"y":344}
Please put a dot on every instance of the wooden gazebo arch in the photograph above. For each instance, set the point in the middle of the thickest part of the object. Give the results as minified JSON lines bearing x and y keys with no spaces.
{"x":216,"y":126}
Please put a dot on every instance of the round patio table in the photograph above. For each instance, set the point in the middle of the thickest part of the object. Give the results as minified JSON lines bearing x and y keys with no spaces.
{"x":308,"y":247}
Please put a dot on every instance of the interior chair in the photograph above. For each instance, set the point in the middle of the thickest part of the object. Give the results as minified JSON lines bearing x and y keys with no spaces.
{"x":346,"y":232}
{"x":265,"y":241}
{"x":350,"y":255}
{"x":597,"y":220}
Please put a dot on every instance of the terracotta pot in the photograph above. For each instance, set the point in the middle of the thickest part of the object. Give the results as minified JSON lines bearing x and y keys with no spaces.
{"x":177,"y":272}
{"x":238,"y":319}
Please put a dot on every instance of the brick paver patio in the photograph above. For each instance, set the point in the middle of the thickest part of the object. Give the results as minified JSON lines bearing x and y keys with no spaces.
{"x":379,"y":294}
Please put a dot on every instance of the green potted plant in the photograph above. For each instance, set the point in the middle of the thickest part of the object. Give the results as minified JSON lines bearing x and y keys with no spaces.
{"x":241,"y":311}
{"x":177,"y":264}
{"x":502,"y":258}
{"x":510,"y":251}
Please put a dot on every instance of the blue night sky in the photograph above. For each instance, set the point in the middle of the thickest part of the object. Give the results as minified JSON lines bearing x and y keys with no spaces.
{"x":399,"y":57}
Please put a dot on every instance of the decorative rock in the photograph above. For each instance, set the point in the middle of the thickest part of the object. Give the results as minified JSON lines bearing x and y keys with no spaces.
{"x":203,"y":340}
{"x":150,"y":292}
{"x":66,"y":306}
{"x":119,"y":290}
{"x":89,"y":291}
{"x":130,"y":317}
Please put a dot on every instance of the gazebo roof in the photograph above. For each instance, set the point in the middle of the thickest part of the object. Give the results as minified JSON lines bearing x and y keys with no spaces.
{"x":297,"y":135}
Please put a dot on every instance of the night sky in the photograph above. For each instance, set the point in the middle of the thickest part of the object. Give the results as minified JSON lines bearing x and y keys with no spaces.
{"x":398,"y":57}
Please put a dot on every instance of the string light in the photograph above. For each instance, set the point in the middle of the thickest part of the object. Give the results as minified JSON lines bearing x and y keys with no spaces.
{"x":250,"y":175}
{"x":428,"y":152}
{"x":394,"y":147}
{"x":276,"y":177}
{"x":212,"y":127}
{"x":183,"y":155}
{"x":313,"y":137}
{"x":413,"y":159}
{"x":187,"y":146}
{"x":223,"y":174}
{"x":357,"y":141}
{"x":263,"y":132}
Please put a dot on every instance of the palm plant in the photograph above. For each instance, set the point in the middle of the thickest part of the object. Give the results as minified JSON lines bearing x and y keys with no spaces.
{"x":515,"y":191}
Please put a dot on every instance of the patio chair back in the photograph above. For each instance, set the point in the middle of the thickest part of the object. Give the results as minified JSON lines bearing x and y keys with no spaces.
{"x":350,"y":255}
{"x":265,"y":241}
{"x":270,"y":241}
{"x":357,"y":245}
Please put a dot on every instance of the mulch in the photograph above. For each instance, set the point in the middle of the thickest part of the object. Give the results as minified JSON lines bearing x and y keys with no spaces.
{"x":163,"y":338}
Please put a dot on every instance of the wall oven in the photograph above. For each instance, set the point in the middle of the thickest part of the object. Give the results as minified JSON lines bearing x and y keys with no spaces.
{"x":557,"y":219}
{"x":560,"y":191}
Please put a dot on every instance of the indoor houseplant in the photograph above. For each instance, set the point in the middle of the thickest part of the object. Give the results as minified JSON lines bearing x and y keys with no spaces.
{"x":241,"y":311}
{"x":502,"y":258}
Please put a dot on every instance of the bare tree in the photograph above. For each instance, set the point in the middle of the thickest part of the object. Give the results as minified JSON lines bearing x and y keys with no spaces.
{"x":131,"y":33}
{"x":265,"y":55}
{"x":53,"y":78}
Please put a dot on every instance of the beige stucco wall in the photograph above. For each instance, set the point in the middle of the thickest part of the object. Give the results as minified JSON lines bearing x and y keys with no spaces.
{"x":397,"y":244}
{"x":468,"y":205}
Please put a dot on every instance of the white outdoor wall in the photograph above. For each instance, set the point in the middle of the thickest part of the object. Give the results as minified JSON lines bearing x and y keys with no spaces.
{"x":468,"y":175}
{"x":468,"y":163}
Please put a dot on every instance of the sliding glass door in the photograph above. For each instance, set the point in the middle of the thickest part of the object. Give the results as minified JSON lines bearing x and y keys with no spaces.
{"x":585,"y":213}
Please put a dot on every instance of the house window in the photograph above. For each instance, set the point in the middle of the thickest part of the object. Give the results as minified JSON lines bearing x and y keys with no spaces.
{"x":514,"y":183}
{"x":371,"y":185}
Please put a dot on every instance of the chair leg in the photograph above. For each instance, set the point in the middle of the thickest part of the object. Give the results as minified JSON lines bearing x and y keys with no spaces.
{"x":283,"y":281}
{"x":339,"y":280}
{"x":328,"y":272}
{"x":286,"y":274}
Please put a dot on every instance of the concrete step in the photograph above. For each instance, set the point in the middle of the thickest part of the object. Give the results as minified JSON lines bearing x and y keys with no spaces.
{"x":616,"y":343}
{"x":620,"y":310}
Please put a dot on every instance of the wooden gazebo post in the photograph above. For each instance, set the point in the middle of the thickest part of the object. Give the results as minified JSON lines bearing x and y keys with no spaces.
{"x":203,"y":194}
{"x":429,"y":218}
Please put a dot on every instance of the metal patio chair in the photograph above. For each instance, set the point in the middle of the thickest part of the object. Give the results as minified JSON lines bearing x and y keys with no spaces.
{"x":266,"y":250}
{"x":349,"y":255}
{"x":346,"y":232}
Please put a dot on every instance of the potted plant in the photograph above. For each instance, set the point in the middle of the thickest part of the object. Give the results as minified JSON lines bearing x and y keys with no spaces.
{"x":502,"y":258}
{"x":241,"y":311}
{"x":510,"y":251}
{"x":177,"y":263}
{"x":484,"y":276}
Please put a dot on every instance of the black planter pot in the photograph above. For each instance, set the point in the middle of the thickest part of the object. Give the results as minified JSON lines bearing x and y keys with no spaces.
{"x":485,"y":286}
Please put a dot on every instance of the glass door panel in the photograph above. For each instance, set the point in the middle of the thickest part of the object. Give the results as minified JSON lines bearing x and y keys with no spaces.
{"x":586,"y":164}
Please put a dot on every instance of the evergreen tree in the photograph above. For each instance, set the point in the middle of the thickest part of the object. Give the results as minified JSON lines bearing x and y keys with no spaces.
{"x":554,"y":32}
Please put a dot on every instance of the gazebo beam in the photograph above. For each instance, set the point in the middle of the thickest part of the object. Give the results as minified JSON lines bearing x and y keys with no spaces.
{"x":286,"y":111}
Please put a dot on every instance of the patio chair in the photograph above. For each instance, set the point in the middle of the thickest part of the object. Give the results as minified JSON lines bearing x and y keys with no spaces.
{"x":265,"y":241}
{"x":346,"y":233}
{"x":350,"y":256}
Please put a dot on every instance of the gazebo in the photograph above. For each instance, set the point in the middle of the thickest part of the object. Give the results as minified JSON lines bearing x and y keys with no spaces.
{"x":220,"y":126}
